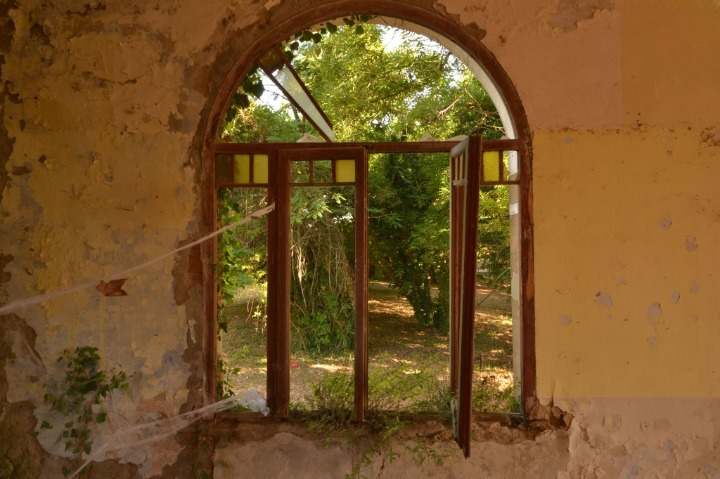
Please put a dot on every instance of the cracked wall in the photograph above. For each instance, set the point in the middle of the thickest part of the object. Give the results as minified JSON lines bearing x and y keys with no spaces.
{"x":103,"y":108}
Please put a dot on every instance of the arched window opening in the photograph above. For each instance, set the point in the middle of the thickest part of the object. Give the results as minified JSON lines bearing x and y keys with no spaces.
{"x":393,"y":272}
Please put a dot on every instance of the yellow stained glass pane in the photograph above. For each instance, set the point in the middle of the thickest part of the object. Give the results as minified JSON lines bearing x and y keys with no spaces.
{"x":345,"y":171}
{"x":491,"y":166}
{"x":242,"y":168}
{"x":260,"y":169}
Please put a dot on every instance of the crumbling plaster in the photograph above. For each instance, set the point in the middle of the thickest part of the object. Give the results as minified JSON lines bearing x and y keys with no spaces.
{"x":103,"y":108}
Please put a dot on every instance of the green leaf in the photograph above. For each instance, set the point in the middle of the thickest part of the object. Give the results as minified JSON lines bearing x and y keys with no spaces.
{"x":100,"y":418}
{"x":359,"y":29}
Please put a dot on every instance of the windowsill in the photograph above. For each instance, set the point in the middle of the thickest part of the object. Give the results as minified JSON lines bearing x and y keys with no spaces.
{"x":503,"y":428}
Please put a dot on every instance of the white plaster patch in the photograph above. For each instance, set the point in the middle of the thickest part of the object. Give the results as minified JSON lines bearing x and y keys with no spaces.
{"x":675,"y":296}
{"x":654,"y":310}
{"x":691,"y":244}
{"x":603,"y":299}
{"x":665,"y":223}
{"x":565,"y":320}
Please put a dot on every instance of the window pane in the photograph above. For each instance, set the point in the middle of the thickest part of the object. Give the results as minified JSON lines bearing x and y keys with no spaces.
{"x":260,"y":169}
{"x":345,"y":171}
{"x":242,"y":169}
{"x":408,"y":344}
{"x":285,"y":77}
{"x":491,"y":166}
{"x":513,"y":166}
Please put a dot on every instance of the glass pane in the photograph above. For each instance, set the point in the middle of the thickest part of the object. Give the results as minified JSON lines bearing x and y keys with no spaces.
{"x":223,"y":170}
{"x":491,"y":166}
{"x":299,"y":172}
{"x":322,"y":171}
{"x":242,"y":169}
{"x":260,"y":169}
{"x":345,"y":171}
{"x":513,"y":166}
{"x":288,"y":81}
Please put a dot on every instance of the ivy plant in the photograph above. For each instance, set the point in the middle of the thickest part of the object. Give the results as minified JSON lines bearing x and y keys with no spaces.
{"x":80,"y":398}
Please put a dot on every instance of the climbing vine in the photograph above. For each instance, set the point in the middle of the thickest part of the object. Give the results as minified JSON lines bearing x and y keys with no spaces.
{"x":80,"y":398}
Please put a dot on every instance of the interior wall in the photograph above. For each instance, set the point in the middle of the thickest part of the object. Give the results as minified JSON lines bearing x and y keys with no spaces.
{"x":104,"y":108}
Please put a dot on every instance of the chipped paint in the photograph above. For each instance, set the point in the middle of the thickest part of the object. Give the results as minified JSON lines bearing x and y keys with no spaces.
{"x":102,"y":106}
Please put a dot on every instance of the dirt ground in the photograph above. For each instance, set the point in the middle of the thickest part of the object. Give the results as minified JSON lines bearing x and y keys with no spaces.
{"x":398,"y":347}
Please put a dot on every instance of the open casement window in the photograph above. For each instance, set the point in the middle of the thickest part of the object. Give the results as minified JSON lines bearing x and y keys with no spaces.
{"x":464,"y":190}
{"x":472,"y":165}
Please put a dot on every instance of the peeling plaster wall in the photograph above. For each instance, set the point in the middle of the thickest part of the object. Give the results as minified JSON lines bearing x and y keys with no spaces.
{"x":101,"y":109}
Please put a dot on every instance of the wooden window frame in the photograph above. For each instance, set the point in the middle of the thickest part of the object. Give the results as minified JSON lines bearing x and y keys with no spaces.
{"x":426,"y":17}
{"x":280,"y":156}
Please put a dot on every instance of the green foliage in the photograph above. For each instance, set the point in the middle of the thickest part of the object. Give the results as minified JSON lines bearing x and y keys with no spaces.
{"x":376,"y":90}
{"x":373,"y":92}
{"x":488,"y":397}
{"x":259,"y":123}
{"x":494,"y":236}
{"x":321,"y":282}
{"x":80,"y":398}
{"x":307,"y":35}
{"x":242,"y":252}
{"x":392,"y":392}
{"x":409,"y":234}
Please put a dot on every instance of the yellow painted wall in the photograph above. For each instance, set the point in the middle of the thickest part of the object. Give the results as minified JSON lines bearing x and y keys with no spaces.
{"x":622,"y":98}
{"x":626,"y":228}
{"x":102,"y":108}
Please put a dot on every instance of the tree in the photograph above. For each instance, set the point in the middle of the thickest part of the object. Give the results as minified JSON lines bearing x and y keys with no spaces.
{"x":409,"y":231}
